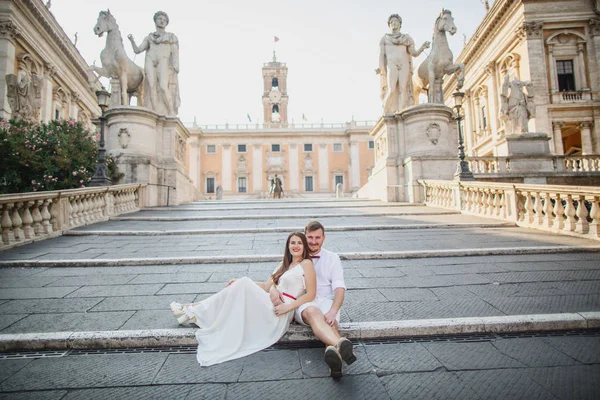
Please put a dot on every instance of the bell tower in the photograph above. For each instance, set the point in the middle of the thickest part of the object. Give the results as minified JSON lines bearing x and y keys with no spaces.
{"x":275,"y":98}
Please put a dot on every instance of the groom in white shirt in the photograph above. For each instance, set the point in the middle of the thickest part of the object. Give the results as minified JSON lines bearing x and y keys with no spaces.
{"x":323,"y":314}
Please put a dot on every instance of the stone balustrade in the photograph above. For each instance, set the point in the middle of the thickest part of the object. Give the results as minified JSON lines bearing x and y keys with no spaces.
{"x":576,"y":165}
{"x":572,"y":210}
{"x":587,"y":163}
{"x":27,"y":217}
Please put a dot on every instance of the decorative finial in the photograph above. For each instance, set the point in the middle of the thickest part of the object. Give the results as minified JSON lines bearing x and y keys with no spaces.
{"x":486,"y":4}
{"x":75,"y":42}
{"x":274,"y":56}
{"x":49,"y":4}
{"x":195,"y":124}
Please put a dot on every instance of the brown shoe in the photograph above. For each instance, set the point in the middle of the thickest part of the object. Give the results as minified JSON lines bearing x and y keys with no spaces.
{"x":346,"y":350}
{"x":334,"y":361}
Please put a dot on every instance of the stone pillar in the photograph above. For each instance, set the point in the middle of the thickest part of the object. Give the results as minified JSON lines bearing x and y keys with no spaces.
{"x":226,"y":168}
{"x":533,"y":32}
{"x":581,"y":62}
{"x":294,"y":175}
{"x":557,"y":144}
{"x":195,"y":162}
{"x":257,"y":168}
{"x":552,"y":65}
{"x":47,"y":95}
{"x":323,"y":168}
{"x":468,"y":124}
{"x":354,"y":166}
{"x":586,"y":137}
{"x":8,"y":35}
{"x":594,"y":55}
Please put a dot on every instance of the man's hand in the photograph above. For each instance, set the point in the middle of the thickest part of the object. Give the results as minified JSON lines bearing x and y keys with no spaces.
{"x":330,"y":317}
{"x":276,"y":297}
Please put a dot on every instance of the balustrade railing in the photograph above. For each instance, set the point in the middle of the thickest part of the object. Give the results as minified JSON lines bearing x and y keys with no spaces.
{"x":27,"y":217}
{"x":587,"y":163}
{"x":573,"y":210}
{"x":576,"y":164}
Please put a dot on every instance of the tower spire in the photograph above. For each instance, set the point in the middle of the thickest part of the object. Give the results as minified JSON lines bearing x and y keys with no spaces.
{"x":274,"y":56}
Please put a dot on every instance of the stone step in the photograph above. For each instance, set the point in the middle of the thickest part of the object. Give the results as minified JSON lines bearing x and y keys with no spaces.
{"x":297,"y":333}
{"x":283,"y":207}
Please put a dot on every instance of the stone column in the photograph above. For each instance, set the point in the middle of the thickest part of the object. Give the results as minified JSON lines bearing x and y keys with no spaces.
{"x":533,"y":33}
{"x":581,"y":62}
{"x":552,"y":65}
{"x":557,"y":144}
{"x":257,"y":168}
{"x":354,"y":166}
{"x":323,"y":168}
{"x":195,"y":162}
{"x":594,"y":54}
{"x":47,"y":95}
{"x":8,"y":36}
{"x":294,"y":174}
{"x":226,"y":168}
{"x":74,"y":106}
{"x":468,"y":123}
{"x":586,"y":137}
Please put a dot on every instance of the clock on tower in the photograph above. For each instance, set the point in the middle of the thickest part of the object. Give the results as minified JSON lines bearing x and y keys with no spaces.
{"x":275,"y":98}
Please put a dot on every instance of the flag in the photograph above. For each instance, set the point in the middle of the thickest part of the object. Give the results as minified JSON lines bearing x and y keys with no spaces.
{"x":248,"y":116}
{"x":275,"y":39}
{"x":303,"y":117}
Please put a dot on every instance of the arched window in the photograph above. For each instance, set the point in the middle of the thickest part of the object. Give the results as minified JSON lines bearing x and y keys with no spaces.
{"x":275,"y":108}
{"x":275,"y":82}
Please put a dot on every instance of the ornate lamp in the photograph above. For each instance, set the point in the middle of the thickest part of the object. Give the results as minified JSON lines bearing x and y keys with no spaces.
{"x":100,"y":177}
{"x":463,"y":173}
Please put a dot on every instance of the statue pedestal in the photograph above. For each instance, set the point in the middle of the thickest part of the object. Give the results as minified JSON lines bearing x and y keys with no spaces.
{"x":418,"y":142}
{"x":151,"y":148}
{"x":531,"y":152}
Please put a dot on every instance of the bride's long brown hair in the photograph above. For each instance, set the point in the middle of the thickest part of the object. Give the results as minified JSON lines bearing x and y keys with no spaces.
{"x":287,"y":255}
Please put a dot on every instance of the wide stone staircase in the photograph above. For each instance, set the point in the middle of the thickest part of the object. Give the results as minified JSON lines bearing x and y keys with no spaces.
{"x":410,"y":270}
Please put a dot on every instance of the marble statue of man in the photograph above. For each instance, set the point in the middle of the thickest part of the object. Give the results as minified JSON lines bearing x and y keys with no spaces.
{"x":517,"y":107}
{"x":395,"y":66}
{"x":161,"y":66}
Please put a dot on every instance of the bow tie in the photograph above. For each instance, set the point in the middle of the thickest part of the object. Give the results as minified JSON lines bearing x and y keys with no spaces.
{"x":315,"y":256}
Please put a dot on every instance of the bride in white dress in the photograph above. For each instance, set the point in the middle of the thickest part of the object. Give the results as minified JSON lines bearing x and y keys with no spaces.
{"x":240,"y":319}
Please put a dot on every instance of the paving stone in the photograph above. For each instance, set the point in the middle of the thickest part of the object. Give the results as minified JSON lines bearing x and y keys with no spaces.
{"x":171,"y":392}
{"x":262,"y":366}
{"x":363,"y":296}
{"x":86,"y":372}
{"x":183,"y":368}
{"x":588,"y":287}
{"x":314,"y":366}
{"x":117,"y":270}
{"x":233,"y":268}
{"x":94,"y":280}
{"x":195,"y":288}
{"x":36,"y":293}
{"x":135,"y":303}
{"x":19,"y":272}
{"x":401,"y":357}
{"x":470,"y":356}
{"x":518,"y":290}
{"x":375,"y":312}
{"x":546,"y":304}
{"x":428,"y":385}
{"x":36,"y":395}
{"x":39,"y":306}
{"x":585,"y":350}
{"x":152,"y":319}
{"x":117,"y":290}
{"x":10,"y":367}
{"x":380,"y":272}
{"x":7,"y":320}
{"x":28,"y":282}
{"x":504,"y":384}
{"x":408,"y":294}
{"x":455,"y":292}
{"x":538,"y":354}
{"x":367,"y":283}
{"x":349,"y":387}
{"x":448,"y":280}
{"x":179,"y":277}
{"x":579,"y":382}
{"x":535,"y":276}
{"x":99,"y":321}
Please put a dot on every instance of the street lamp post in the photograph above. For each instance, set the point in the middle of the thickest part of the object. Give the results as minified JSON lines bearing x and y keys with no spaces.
{"x":100,"y":177}
{"x":463,"y":173}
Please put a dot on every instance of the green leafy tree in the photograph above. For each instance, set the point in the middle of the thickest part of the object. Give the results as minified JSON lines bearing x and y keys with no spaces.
{"x":33,"y":157}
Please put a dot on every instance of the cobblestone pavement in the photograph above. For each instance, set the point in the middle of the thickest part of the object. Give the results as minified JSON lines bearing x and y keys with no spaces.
{"x":543,"y":366}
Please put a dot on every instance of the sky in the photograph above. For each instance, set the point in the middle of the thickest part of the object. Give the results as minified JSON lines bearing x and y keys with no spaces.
{"x":331,"y":48}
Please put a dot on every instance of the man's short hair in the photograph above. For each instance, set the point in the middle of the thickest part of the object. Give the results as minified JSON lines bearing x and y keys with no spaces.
{"x":164,"y":14}
{"x":394,"y":16}
{"x":314,"y":226}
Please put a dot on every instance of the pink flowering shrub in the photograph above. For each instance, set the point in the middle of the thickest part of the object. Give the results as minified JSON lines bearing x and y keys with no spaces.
{"x":33,"y":157}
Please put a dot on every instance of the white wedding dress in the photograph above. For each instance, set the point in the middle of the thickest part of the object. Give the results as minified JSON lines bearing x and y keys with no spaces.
{"x":240,"y":319}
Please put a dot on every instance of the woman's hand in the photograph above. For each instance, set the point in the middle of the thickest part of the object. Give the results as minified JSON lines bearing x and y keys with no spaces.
{"x":283,"y":309}
{"x":230,"y":282}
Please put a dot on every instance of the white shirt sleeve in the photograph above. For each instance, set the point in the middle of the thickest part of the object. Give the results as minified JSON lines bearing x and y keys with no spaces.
{"x":337,"y":273}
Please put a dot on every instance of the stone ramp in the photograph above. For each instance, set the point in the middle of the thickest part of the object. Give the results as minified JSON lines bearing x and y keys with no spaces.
{"x":412,"y":270}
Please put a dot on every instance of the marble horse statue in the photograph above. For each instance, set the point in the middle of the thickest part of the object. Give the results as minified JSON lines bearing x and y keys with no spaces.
{"x":430,"y":74}
{"x":116,"y":63}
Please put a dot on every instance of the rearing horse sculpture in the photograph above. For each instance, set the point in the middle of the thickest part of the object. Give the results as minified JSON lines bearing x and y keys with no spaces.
{"x":116,"y":63}
{"x":440,"y":62}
